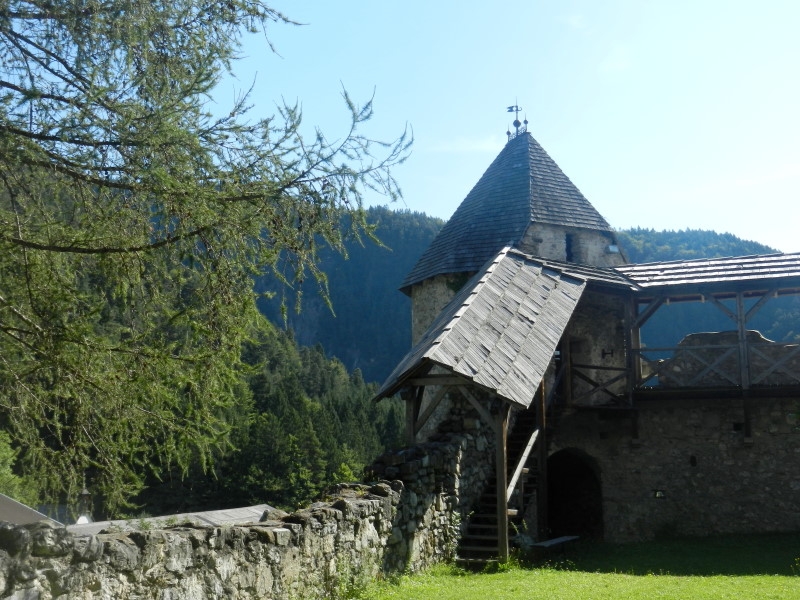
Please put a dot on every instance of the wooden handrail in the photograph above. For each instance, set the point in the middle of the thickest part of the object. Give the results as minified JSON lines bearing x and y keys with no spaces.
{"x":521,"y":464}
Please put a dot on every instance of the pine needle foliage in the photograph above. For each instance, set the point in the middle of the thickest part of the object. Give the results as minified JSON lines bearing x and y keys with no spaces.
{"x":132,"y":222}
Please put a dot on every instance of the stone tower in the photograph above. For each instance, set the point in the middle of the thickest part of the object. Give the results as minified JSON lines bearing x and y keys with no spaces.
{"x":523,"y":200}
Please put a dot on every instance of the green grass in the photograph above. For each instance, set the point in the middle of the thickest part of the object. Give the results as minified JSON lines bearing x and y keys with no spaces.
{"x":736,"y":567}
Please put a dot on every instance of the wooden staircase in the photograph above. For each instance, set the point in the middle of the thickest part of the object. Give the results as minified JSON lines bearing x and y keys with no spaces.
{"x":479,"y":544}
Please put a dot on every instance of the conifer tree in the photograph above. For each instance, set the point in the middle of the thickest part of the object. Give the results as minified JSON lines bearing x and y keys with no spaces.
{"x":132,"y":222}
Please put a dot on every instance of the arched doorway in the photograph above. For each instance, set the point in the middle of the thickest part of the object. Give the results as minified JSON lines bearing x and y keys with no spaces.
{"x":574,"y":495}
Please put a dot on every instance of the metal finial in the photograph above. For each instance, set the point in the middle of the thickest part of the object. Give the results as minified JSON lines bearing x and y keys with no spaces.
{"x":516,"y":109}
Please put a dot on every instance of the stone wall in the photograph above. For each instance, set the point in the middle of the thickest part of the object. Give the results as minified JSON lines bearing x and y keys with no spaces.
{"x":359,"y":533}
{"x":429,"y":297}
{"x":596,"y":337}
{"x":582,"y":246}
{"x":697,"y":467}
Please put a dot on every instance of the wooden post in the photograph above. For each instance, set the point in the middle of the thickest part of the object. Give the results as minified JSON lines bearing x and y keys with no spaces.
{"x":566,"y":359}
{"x":541,"y":476}
{"x":744,"y":358}
{"x":501,"y":467}
{"x":633,"y":341}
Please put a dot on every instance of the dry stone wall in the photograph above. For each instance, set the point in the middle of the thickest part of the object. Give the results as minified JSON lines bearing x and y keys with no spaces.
{"x":359,"y":533}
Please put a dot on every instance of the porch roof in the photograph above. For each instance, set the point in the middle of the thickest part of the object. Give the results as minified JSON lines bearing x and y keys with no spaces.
{"x":716,"y":276}
{"x":500,"y":331}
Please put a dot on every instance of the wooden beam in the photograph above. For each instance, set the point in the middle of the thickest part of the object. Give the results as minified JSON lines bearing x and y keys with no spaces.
{"x":597,"y":387}
{"x":648,"y":312}
{"x":423,"y":418}
{"x":556,"y":383}
{"x":412,"y":414}
{"x":437,"y":380}
{"x":710,"y":367}
{"x":633,"y":343}
{"x":485,"y":414}
{"x":521,"y":464}
{"x":776,"y":364}
{"x":566,"y":357}
{"x":761,"y":302}
{"x":501,"y":466}
{"x":744,"y":357}
{"x":542,"y":524}
{"x":728,"y":312}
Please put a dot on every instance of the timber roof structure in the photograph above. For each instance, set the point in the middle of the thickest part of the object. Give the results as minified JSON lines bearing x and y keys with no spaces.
{"x":500,"y":331}
{"x":522,"y":186}
{"x":716,"y":276}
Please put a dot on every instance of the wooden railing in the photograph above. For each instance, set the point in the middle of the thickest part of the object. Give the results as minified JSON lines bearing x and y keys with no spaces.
{"x":720,"y":365}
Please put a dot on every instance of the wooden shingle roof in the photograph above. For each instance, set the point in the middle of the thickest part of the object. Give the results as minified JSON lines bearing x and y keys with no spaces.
{"x":758,"y":272}
{"x":523,"y":185}
{"x":500,"y":330}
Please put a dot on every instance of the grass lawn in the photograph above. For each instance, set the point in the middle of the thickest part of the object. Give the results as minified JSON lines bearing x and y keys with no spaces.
{"x":740,"y":567}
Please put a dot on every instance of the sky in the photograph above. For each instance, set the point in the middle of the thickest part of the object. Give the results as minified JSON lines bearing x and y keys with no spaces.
{"x":667,"y":114}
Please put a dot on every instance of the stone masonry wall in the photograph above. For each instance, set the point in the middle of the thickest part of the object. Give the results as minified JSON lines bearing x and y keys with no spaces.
{"x":429,"y":297}
{"x":361,"y":532}
{"x":587,"y":246}
{"x":712,"y":477}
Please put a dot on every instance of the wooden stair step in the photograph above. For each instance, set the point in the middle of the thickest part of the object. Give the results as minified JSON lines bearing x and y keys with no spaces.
{"x":480,"y":549}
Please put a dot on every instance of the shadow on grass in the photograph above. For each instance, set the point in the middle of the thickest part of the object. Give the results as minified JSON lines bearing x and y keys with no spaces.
{"x":765,"y":554}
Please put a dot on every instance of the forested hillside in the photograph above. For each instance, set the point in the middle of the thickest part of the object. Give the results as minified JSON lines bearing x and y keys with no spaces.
{"x":303,"y":422}
{"x":368,"y":325}
{"x":649,"y":245}
{"x":371,"y":328}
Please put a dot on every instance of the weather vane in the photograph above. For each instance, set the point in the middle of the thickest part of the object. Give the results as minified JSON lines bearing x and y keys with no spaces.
{"x":516,"y":109}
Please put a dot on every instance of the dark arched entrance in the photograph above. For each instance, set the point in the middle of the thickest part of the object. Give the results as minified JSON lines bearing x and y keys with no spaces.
{"x":574,"y":495}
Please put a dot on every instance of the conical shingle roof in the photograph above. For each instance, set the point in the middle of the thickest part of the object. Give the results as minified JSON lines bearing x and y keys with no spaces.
{"x":523,"y":185}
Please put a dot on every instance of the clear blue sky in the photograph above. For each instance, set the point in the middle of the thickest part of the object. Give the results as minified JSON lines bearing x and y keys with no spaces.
{"x":669,"y":114}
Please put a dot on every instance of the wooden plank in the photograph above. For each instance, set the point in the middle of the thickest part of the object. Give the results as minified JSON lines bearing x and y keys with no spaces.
{"x":564,"y":539}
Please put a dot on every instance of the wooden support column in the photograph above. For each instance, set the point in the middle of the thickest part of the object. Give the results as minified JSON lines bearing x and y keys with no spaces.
{"x":501,"y":467}
{"x":744,"y":355}
{"x":566,"y":361}
{"x":542,"y":525}
{"x":633,"y":343}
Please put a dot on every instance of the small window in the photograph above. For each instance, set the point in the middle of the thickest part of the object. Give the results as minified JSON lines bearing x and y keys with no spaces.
{"x":570,"y":247}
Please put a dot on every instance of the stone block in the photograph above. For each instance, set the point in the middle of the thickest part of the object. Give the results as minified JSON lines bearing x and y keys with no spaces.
{"x":15,"y":540}
{"x":48,"y":539}
{"x":273,"y":514}
{"x":87,"y":549}
{"x":381,"y":489}
{"x":123,"y":554}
